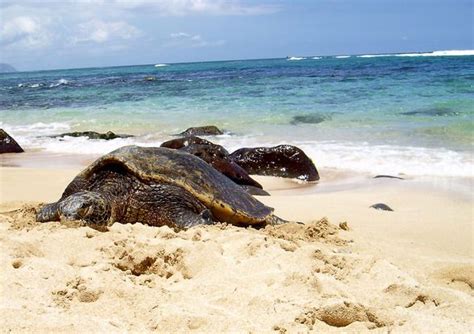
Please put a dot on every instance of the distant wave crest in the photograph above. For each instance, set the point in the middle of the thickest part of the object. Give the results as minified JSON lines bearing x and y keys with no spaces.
{"x":59,"y":83}
{"x":161,"y":65}
{"x":28,"y":85}
{"x":295,"y":58}
{"x":342,"y":57}
{"x":444,"y":53}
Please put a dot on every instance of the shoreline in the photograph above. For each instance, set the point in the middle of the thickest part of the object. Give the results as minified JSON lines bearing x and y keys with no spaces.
{"x":332,"y":179}
{"x":340,"y":195}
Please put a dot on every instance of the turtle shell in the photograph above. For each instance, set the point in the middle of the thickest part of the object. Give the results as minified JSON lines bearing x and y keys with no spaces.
{"x":227,"y":201}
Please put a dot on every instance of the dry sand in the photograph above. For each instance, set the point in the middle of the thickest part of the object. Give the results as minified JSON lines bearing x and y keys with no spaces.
{"x":411,"y":270}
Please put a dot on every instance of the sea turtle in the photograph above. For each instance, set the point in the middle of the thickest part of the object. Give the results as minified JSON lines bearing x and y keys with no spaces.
{"x":155,"y":186}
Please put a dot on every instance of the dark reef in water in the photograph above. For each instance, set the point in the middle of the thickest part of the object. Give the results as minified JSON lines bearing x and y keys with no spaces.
{"x":309,"y":119}
{"x":8,"y":144}
{"x":433,"y":111}
{"x":92,"y":135}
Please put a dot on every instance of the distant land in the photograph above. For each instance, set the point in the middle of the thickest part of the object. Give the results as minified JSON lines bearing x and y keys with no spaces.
{"x":6,"y":68}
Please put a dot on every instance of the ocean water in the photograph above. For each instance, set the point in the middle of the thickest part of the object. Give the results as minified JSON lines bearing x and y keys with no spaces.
{"x":399,"y":113}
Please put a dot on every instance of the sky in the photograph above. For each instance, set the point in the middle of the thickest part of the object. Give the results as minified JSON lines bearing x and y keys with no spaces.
{"x":44,"y":34}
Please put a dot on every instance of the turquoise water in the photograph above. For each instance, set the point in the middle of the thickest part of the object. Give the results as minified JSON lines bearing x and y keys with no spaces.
{"x":363,"y":113}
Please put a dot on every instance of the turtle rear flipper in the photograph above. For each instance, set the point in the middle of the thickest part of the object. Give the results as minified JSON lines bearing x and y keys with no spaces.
{"x":48,"y":213}
{"x":187,"y":219}
{"x":275,"y":220}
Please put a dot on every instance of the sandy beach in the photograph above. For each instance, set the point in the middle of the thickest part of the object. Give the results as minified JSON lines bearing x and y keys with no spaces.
{"x":236,"y":166}
{"x":349,"y":268}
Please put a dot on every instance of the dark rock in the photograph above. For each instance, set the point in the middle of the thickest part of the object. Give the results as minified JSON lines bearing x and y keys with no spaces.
{"x":92,"y":135}
{"x":309,"y":119}
{"x":208,"y":130}
{"x":186,"y":141}
{"x":215,"y":155}
{"x":388,"y":177}
{"x":283,"y":160}
{"x":344,"y":226}
{"x":381,"y":206}
{"x":434,"y":111}
{"x":8,"y":144}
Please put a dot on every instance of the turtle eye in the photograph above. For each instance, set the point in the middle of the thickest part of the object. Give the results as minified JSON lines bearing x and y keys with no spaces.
{"x":88,"y":210}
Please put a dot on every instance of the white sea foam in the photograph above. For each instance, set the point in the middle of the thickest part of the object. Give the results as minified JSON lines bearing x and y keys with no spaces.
{"x":342,"y":57}
{"x":443,"y":53}
{"x":316,"y":58}
{"x":59,"y":83}
{"x":374,"y":159}
{"x":295,"y":58}
{"x":359,"y":157}
{"x":161,"y":65}
{"x":388,"y":159}
{"x":375,"y":56}
{"x":38,"y":129}
{"x":439,"y":53}
{"x":83,"y":145}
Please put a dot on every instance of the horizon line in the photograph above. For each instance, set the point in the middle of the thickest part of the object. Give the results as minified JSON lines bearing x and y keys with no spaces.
{"x":242,"y":59}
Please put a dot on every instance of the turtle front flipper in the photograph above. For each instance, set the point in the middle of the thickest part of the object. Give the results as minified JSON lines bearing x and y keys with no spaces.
{"x":164,"y":204}
{"x":48,"y":213}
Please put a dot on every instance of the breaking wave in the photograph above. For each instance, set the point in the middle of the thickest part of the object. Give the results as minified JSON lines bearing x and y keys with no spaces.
{"x":444,"y":53}
{"x":295,"y":58}
{"x":59,"y":83}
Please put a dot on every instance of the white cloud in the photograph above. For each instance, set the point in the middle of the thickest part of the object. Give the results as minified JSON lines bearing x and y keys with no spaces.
{"x":183,"y":39}
{"x":160,"y":7}
{"x":24,"y":31}
{"x":210,"y":7}
{"x":98,"y":31}
{"x":42,"y":23}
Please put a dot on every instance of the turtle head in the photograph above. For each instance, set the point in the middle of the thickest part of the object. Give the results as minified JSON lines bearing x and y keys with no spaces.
{"x":88,"y":206}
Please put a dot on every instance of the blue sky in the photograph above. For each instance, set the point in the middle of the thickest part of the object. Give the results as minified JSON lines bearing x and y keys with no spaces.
{"x":43,"y":34}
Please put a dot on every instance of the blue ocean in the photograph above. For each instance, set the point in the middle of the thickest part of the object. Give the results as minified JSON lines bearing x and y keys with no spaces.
{"x":398,"y":113}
